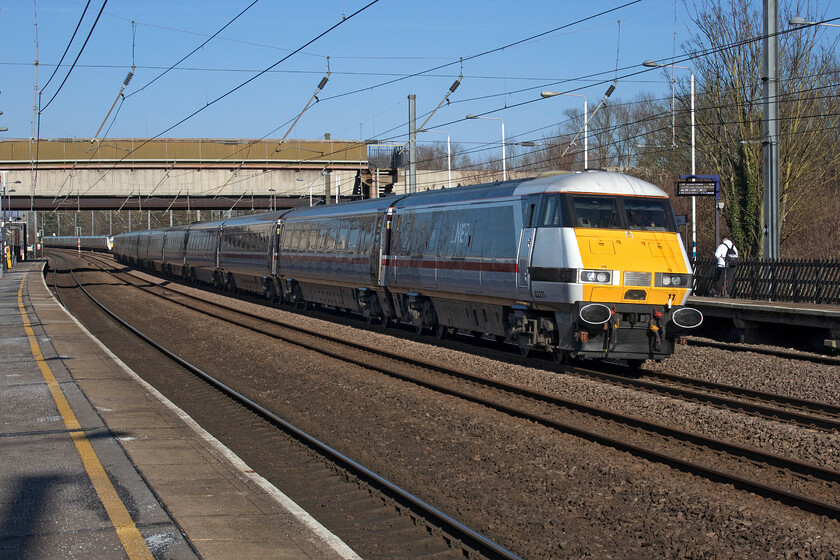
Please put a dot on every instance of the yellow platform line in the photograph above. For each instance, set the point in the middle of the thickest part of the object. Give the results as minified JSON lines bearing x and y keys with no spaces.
{"x":132,"y":541}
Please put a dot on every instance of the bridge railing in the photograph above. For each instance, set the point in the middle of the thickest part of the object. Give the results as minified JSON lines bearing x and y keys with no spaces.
{"x":792,"y":280}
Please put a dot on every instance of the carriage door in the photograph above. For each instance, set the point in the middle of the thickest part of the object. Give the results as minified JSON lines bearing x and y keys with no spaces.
{"x":472,"y":264}
{"x":219,"y":248}
{"x":274,"y":252}
{"x":526,"y":249}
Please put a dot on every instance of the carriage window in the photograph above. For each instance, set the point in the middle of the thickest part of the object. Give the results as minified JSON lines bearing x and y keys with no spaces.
{"x":596,"y":212}
{"x":553,"y":212}
{"x":331,"y":235}
{"x":647,"y":214}
{"x":313,"y":239}
{"x":403,"y":228}
{"x":364,"y":239}
{"x":341,"y":241}
{"x":353,"y":240}
{"x":529,"y":217}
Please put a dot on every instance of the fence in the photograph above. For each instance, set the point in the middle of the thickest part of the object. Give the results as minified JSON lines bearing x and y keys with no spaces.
{"x":792,"y":280}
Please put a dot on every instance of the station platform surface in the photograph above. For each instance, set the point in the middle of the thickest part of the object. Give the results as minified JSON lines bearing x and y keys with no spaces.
{"x":95,"y":464}
{"x":815,"y":326}
{"x":806,"y":311}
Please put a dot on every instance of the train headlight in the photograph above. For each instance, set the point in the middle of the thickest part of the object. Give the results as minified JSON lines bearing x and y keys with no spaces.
{"x":596,"y":276}
{"x":667,"y":280}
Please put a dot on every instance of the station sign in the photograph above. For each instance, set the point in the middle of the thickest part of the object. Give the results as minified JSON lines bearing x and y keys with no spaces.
{"x":697,"y":185}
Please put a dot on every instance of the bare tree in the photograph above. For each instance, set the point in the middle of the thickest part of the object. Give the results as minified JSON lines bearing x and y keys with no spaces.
{"x":729,"y":123}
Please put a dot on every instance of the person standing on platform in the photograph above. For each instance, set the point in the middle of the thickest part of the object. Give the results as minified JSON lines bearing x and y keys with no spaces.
{"x":727,"y":259}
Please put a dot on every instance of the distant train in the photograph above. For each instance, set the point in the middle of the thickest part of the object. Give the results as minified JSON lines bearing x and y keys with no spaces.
{"x":585,"y":264}
{"x":86,"y":242}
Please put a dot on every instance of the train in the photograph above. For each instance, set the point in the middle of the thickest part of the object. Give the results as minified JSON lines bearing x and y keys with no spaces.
{"x":102,"y":243}
{"x":577,"y":265}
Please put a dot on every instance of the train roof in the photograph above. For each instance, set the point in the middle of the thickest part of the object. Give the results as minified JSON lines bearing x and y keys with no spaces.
{"x":371,"y":205}
{"x":501,"y":189}
{"x":254,"y":218}
{"x":591,"y":181}
{"x":595,"y":182}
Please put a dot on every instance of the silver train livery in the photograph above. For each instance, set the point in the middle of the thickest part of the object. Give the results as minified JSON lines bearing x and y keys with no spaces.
{"x":586,"y":264}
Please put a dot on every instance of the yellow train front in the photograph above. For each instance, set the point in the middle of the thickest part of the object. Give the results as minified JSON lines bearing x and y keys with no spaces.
{"x":606,"y":268}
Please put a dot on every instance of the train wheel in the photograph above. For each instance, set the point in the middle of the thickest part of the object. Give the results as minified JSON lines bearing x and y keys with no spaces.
{"x":635,"y":364}
{"x":524,"y":351}
{"x":418,"y":329}
{"x":560,"y":356}
{"x":441,"y":331}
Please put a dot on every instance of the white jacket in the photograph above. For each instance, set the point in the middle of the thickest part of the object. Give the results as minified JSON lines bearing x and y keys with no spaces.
{"x":721,"y":251}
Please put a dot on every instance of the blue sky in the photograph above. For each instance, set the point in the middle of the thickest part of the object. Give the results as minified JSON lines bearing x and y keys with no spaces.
{"x":390,"y":40}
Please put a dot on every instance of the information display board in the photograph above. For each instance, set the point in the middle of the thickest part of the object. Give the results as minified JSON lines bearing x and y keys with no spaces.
{"x":695,"y":188}
{"x":697,"y":185}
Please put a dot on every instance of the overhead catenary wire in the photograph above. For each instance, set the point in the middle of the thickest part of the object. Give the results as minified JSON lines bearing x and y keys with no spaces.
{"x":490,"y":51}
{"x":195,"y":50}
{"x":81,"y":50}
{"x":66,"y":49}
{"x":238,"y":87}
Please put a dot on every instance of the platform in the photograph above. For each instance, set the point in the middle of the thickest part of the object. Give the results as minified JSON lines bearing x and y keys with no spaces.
{"x":97,"y":465}
{"x":770,"y":321}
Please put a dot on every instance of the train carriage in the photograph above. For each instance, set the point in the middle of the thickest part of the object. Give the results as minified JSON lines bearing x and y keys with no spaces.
{"x":174,"y":251}
{"x":126,"y":247}
{"x":247,"y":252}
{"x":154,"y":249}
{"x":330,"y":255}
{"x":202,"y":253}
{"x":85,"y":242}
{"x":452,"y":261}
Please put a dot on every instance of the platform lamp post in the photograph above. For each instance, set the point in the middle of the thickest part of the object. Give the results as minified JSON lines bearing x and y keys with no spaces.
{"x":4,"y":194}
{"x":797,"y":21}
{"x":9,"y":201}
{"x":2,"y":228}
{"x":547,"y":94}
{"x":448,"y":152}
{"x":504,"y":167}
{"x":272,"y":203}
{"x":654,"y":64}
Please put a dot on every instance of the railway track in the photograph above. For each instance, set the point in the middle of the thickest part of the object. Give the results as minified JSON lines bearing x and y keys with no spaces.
{"x":770,"y":406}
{"x":809,"y":487}
{"x":778,"y":352}
{"x":388,"y":521}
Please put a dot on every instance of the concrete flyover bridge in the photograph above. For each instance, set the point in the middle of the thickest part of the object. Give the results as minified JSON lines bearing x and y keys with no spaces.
{"x":133,"y":174}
